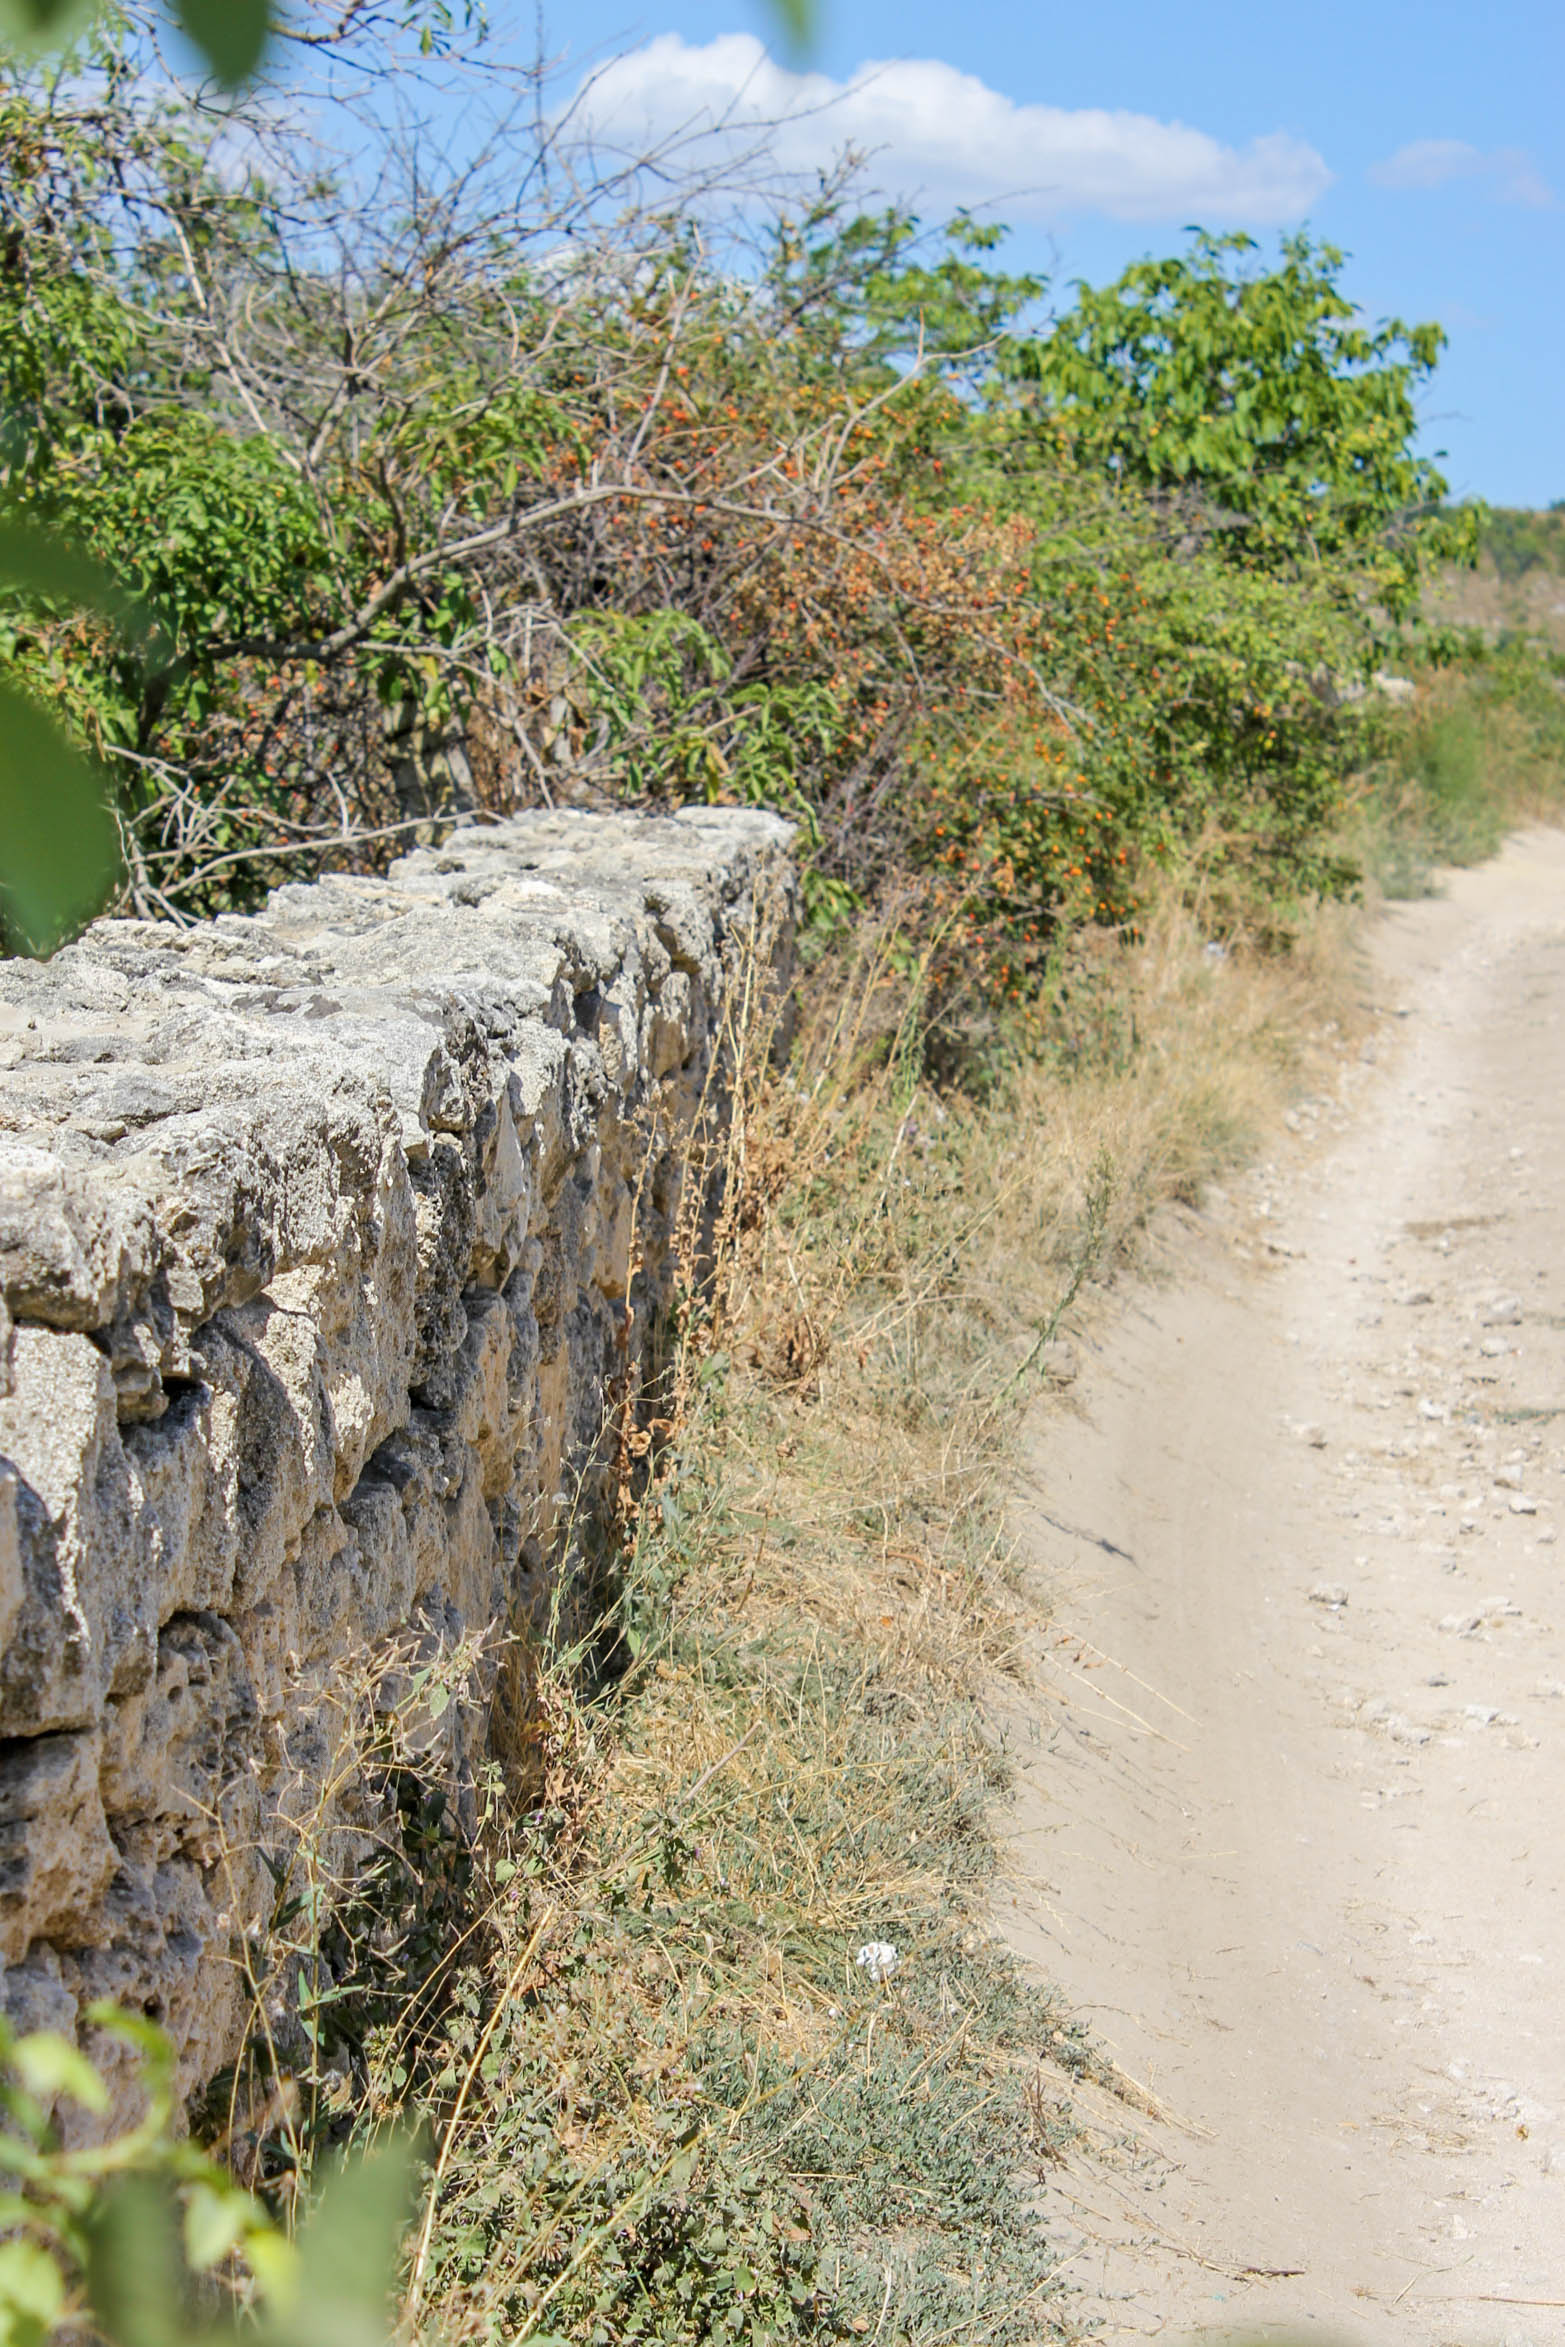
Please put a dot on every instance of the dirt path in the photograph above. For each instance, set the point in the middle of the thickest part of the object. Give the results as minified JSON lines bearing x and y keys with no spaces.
{"x":1298,"y":1849}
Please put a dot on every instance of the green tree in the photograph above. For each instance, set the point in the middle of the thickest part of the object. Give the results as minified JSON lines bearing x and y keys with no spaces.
{"x":1255,"y":402}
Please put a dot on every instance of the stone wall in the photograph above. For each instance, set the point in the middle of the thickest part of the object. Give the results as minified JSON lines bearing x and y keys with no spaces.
{"x":318,"y":1272}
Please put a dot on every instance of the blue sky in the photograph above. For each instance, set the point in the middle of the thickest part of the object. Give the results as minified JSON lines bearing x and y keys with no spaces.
{"x":1427,"y":139}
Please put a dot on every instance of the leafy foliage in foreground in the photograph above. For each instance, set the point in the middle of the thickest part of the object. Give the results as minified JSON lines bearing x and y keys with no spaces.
{"x":140,"y":2239}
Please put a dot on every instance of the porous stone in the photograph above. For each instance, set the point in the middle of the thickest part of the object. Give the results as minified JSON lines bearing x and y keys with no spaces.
{"x":331,"y":1238}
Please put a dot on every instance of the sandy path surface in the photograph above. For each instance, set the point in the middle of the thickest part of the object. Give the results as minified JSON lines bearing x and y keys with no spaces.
{"x":1291,"y":1822}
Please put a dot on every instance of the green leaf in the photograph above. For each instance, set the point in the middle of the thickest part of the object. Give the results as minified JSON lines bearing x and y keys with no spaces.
{"x":49,"y":2065}
{"x":31,"y":25}
{"x":32,"y":2294}
{"x":157,"y":2057}
{"x":59,"y":847}
{"x":39,"y":563}
{"x":797,"y":20}
{"x":134,"y":2270}
{"x":230,"y":34}
{"x":133,"y":2029}
{"x":348,"y":2253}
{"x":215,"y":2223}
{"x":272,"y":2259}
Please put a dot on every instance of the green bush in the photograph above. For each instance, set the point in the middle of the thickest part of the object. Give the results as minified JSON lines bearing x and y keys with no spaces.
{"x":1007,"y":614}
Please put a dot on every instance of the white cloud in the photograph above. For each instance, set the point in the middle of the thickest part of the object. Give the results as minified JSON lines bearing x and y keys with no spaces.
{"x":1507,"y":174}
{"x":933,"y":134}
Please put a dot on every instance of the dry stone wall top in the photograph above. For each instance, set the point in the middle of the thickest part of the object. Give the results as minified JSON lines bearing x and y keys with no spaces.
{"x":325,"y":1234}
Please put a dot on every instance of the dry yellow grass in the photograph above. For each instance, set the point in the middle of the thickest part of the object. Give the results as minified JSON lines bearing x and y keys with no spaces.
{"x":923,"y":1241}
{"x":791,"y":1759}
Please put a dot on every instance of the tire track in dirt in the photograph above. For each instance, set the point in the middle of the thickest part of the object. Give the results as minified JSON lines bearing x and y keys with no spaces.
{"x":1297,"y":1850}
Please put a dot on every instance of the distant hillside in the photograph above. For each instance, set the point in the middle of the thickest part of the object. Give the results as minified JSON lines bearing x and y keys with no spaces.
{"x":1519,"y":584}
{"x":1518,"y":541}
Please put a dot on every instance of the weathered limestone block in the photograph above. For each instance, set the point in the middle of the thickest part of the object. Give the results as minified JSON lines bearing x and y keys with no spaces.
{"x":327,"y":1237}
